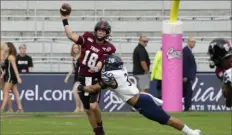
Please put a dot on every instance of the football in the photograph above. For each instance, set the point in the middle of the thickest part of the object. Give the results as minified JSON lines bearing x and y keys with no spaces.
{"x":65,"y":9}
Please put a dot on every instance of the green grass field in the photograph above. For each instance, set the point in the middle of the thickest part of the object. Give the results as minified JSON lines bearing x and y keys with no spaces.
{"x":114,"y":123}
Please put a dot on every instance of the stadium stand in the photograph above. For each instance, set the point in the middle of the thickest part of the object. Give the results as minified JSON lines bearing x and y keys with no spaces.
{"x":37,"y":24}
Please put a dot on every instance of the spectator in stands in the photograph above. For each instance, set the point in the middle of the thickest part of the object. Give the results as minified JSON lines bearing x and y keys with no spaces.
{"x":75,"y":53}
{"x":141,"y":64}
{"x":156,"y":73}
{"x":189,"y":72}
{"x":24,"y":62}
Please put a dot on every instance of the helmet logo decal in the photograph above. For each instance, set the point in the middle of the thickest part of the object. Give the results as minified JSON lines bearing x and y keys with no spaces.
{"x":102,"y":24}
{"x":111,"y":60}
{"x":227,"y":47}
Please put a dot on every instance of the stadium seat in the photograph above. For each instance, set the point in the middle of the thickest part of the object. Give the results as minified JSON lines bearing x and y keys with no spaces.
{"x":116,"y":8}
{"x":128,"y":19}
{"x":116,"y":26}
{"x":115,"y":5}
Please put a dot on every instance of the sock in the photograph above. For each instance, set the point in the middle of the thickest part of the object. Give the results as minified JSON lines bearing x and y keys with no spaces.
{"x":187,"y":130}
{"x":99,"y":124}
{"x":97,"y":131}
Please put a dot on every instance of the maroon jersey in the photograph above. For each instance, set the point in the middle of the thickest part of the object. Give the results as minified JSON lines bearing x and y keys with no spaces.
{"x":227,"y":64}
{"x":219,"y":72}
{"x":92,"y":53}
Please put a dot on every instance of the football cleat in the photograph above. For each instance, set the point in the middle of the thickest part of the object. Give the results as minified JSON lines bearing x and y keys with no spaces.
{"x":196,"y":132}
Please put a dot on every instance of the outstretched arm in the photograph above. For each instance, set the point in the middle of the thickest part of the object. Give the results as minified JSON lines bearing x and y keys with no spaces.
{"x":96,"y":87}
{"x":72,"y":36}
{"x":90,"y":89}
{"x":107,"y":80}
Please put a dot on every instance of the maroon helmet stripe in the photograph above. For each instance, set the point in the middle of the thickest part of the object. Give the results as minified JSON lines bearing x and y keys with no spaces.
{"x":102,"y":24}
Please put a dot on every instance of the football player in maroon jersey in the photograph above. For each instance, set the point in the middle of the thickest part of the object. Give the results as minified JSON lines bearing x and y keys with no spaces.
{"x":220,"y":52}
{"x":94,"y":48}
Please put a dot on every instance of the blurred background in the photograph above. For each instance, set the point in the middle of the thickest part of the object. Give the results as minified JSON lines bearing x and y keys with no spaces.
{"x":38,"y":25}
{"x":36,"y":29}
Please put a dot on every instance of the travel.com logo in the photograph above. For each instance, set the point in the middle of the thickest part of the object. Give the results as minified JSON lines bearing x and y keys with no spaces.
{"x":38,"y":94}
{"x":172,"y":53}
{"x":114,"y":103}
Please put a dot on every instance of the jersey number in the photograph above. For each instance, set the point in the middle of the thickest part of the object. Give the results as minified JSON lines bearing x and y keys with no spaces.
{"x":226,"y":77}
{"x":127,"y":78}
{"x":92,"y":59}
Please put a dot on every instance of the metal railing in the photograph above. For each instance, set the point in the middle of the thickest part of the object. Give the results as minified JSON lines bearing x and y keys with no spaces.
{"x":57,"y":62}
{"x":35,"y":19}
{"x":50,"y":61}
{"x":62,"y":59}
{"x":200,"y":18}
{"x":116,"y":39}
{"x":125,"y":59}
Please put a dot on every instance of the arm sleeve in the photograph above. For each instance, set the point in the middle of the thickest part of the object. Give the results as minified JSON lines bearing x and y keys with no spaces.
{"x":113,"y":50}
{"x":110,"y":49}
{"x":102,"y":58}
{"x":82,"y":38}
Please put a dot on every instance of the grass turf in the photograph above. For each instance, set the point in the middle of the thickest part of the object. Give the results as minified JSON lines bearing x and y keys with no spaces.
{"x":114,"y":124}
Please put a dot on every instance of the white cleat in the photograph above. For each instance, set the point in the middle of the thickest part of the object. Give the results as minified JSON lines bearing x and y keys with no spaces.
{"x":196,"y":132}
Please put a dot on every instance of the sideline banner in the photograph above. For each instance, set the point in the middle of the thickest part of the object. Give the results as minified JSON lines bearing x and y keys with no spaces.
{"x":48,"y":93}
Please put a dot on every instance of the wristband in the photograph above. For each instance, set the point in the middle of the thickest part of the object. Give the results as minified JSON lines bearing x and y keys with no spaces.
{"x":65,"y":22}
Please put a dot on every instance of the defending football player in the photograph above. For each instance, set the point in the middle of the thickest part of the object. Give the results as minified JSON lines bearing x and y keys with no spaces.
{"x":220,"y":52}
{"x":94,"y":48}
{"x":115,"y":77}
